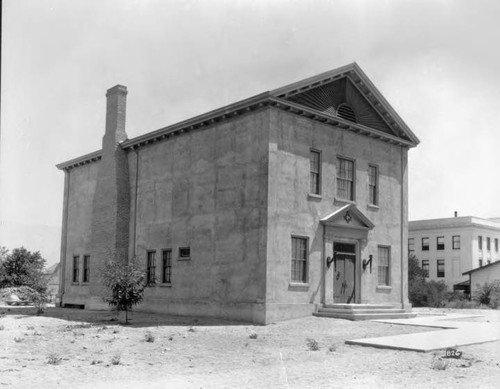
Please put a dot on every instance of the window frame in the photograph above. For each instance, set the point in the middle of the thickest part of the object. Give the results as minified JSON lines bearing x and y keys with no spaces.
{"x":76,"y":269}
{"x":455,"y":244}
{"x":496,"y":245}
{"x":480,"y":242}
{"x":151,"y":268}
{"x":425,"y":267}
{"x":339,"y":179}
{"x":305,"y":261}
{"x":480,"y":262}
{"x":440,"y":246}
{"x":411,"y":245}
{"x":488,"y":243}
{"x":166,"y":269}
{"x":317,"y":190}
{"x":387,"y":275}
{"x":375,"y":199}
{"x":440,"y":262}
{"x":427,"y":246}
{"x":182,"y":257}
{"x":86,"y":269}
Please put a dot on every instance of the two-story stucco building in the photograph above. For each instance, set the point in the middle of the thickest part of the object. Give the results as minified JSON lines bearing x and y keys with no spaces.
{"x":449,"y":247}
{"x":267,"y":209}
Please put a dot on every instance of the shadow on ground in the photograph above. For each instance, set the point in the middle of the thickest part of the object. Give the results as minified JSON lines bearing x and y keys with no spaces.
{"x":136,"y":319}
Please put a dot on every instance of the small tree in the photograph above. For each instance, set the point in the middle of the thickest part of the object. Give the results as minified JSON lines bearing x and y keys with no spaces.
{"x":22,"y":267}
{"x":125,"y":285}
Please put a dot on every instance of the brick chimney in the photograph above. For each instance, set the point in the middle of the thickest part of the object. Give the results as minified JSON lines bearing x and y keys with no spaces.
{"x":111,"y":204}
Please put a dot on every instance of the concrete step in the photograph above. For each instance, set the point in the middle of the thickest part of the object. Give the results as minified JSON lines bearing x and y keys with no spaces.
{"x":366,"y":316}
{"x":359,"y":306}
{"x":359,"y":311}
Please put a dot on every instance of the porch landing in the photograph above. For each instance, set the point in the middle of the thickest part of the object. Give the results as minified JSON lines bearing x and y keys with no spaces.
{"x":363,"y":312}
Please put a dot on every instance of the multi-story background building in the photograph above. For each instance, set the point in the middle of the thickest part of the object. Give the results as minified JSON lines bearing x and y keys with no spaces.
{"x":449,"y":247}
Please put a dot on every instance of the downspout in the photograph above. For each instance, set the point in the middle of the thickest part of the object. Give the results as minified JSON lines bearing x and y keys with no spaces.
{"x":135,"y":200}
{"x":324,"y":268}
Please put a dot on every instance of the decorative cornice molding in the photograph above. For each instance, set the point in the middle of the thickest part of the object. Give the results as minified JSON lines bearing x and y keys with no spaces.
{"x":83,"y":160}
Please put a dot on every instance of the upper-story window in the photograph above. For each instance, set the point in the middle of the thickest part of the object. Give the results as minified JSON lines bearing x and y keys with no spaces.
{"x":440,"y":268}
{"x":480,"y":242}
{"x":440,"y":243}
{"x":315,"y":173}
{"x":488,"y":243}
{"x":86,"y":268}
{"x":373,"y":185}
{"x":151,"y":268}
{"x":345,"y":179}
{"x":425,"y":244}
{"x":456,"y":242}
{"x":496,"y":245}
{"x":411,"y":245}
{"x":76,"y":268}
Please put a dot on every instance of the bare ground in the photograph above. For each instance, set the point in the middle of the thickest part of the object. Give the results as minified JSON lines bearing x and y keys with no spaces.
{"x":76,"y":349}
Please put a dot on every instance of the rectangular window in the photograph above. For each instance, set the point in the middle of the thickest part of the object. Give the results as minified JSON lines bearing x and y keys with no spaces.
{"x":480,"y":262}
{"x":345,"y":179}
{"x":456,"y":242}
{"x":315,"y":172}
{"x":384,"y":265}
{"x":184,"y":253}
{"x":86,"y":268}
{"x":488,"y":243}
{"x":411,"y":245}
{"x":480,"y":242}
{"x":166,"y":272}
{"x":425,"y":267}
{"x":372,"y":185}
{"x":299,"y":260}
{"x":496,"y":245}
{"x":440,"y":242}
{"x":151,"y":268}
{"x":76,"y":268}
{"x":440,"y":268}
{"x":425,"y":244}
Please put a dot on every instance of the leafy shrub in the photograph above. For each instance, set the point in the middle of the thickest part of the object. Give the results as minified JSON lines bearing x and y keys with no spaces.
{"x":312,"y":344}
{"x":462,"y":304}
{"x":54,"y":359}
{"x":332,"y":348}
{"x":23,"y":292}
{"x":116,"y":359}
{"x":439,"y":364}
{"x":253,"y":336}
{"x":148,"y":337}
{"x":428,"y":293}
{"x":488,"y":294}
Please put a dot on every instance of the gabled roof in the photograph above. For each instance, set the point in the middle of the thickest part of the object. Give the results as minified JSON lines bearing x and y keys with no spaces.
{"x":485,"y":267}
{"x":348,"y":216}
{"x":379,"y":120}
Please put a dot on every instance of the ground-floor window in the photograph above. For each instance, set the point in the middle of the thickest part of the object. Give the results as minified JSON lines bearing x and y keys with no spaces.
{"x":76,"y":268}
{"x":86,"y":268}
{"x":151,"y":268}
{"x":299,"y":260}
{"x":384,"y":265}
{"x":166,"y":272}
{"x":440,"y":268}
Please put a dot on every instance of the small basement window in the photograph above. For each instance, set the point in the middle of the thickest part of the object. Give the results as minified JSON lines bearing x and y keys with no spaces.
{"x":345,"y":111}
{"x":184,"y":253}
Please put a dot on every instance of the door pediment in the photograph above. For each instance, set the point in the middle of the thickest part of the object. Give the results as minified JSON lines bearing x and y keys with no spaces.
{"x":349,"y":216}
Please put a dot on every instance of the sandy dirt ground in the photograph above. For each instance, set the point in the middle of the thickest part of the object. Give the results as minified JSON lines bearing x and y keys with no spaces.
{"x":86,"y":349}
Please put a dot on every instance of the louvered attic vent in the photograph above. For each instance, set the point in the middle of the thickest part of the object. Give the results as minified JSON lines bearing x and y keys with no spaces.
{"x":344,"y":111}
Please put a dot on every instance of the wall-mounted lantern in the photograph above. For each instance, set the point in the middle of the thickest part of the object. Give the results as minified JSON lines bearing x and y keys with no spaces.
{"x":366,"y":262}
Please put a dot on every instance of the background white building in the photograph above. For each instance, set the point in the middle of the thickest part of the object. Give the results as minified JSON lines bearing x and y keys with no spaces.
{"x":448,"y":247}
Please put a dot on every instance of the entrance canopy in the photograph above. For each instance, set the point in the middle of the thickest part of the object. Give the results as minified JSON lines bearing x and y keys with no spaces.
{"x":348,"y":216}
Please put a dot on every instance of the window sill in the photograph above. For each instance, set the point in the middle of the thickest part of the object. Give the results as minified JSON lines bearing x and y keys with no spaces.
{"x":85,"y":284}
{"x":184,"y":259}
{"x":384,"y":288}
{"x":75,"y":283}
{"x":343,"y":201}
{"x":165,"y":285}
{"x":373,"y":206}
{"x":313,"y":196}
{"x":298,"y":287}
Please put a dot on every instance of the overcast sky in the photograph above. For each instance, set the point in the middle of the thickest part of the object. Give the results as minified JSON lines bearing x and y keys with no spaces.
{"x":436,"y":62}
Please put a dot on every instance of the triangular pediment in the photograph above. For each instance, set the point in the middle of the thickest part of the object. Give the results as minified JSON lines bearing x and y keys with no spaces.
{"x":331,"y":92}
{"x":348,"y":216}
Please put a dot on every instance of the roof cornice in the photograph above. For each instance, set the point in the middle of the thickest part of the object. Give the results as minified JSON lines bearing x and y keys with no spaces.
{"x":83,"y":160}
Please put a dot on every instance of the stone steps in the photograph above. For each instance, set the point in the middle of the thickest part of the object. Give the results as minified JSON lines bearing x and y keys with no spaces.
{"x":363,"y":312}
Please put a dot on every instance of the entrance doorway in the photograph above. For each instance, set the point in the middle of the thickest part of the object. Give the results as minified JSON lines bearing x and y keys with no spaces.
{"x":344,"y":272}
